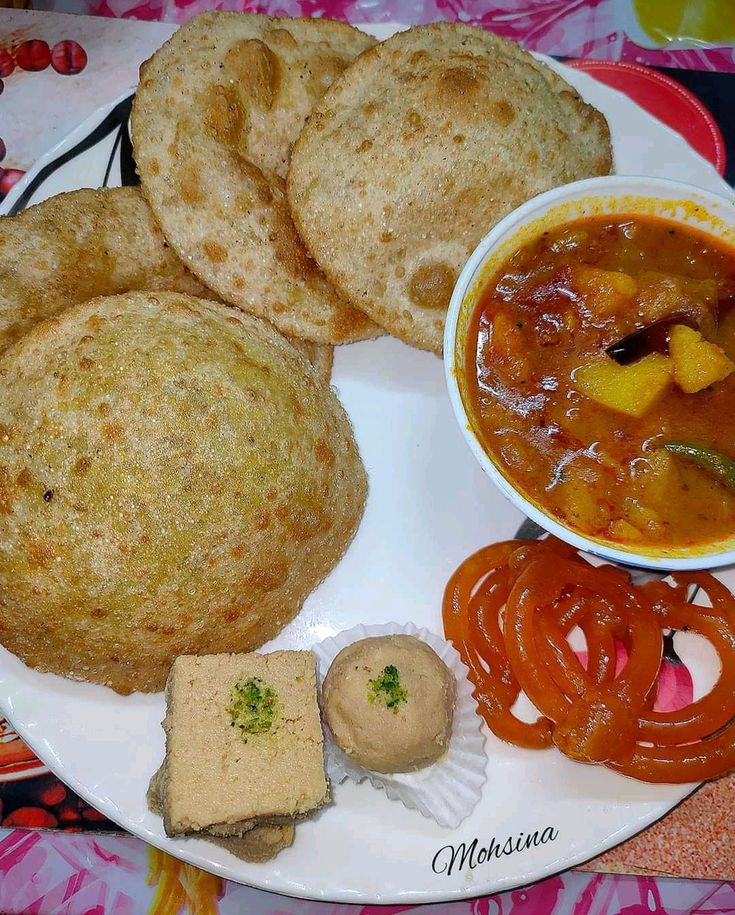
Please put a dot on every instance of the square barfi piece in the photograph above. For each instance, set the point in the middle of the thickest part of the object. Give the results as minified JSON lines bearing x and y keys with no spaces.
{"x":243,"y":741}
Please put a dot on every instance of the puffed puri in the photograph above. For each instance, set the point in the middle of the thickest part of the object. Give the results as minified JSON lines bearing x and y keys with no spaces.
{"x":175,"y":478}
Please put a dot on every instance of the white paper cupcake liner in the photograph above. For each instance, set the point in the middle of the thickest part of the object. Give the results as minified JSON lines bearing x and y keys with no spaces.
{"x":446,"y":791}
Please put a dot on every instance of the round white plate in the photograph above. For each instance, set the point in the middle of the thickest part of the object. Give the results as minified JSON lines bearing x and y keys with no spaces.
{"x":430,"y":505}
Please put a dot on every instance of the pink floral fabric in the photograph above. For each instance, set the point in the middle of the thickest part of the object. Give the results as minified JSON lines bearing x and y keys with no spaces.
{"x":567,"y":28}
{"x":41,"y":875}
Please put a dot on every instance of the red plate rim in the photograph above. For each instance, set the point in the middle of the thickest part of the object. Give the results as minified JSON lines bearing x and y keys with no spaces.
{"x":656,"y":77}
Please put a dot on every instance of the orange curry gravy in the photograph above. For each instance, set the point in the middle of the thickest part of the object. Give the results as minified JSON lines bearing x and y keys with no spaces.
{"x":544,"y":315}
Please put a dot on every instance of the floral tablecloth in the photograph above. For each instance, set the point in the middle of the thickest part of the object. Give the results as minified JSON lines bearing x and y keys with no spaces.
{"x":54,"y":71}
{"x":680,"y":33}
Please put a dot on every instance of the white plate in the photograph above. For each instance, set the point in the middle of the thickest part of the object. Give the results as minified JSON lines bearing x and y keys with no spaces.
{"x":430,"y":505}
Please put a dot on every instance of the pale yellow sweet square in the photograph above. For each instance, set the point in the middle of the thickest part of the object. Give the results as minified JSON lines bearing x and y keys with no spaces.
{"x":216,"y":774}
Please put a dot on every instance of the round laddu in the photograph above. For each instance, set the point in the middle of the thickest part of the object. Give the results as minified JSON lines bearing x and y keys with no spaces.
{"x":174,"y":479}
{"x":76,"y":246}
{"x":214,"y":117}
{"x":400,"y":728}
{"x":416,"y":151}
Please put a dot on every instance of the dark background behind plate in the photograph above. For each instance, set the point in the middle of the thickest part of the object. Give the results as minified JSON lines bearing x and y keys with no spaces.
{"x":716,"y":91}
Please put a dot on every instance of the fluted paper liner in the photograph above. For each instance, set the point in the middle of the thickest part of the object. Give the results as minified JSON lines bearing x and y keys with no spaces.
{"x":446,"y":791}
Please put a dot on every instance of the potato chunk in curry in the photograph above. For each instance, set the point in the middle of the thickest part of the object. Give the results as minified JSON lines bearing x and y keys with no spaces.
{"x":697,"y":363}
{"x":630,"y":389}
{"x":596,"y":345}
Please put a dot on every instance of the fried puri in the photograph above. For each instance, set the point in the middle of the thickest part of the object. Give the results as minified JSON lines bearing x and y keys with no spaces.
{"x":215,"y":114}
{"x":416,"y":151}
{"x":78,"y":245}
{"x":82,"y":244}
{"x":174,"y":479}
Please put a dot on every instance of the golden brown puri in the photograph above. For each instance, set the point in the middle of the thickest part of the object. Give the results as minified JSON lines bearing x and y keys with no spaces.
{"x":174,"y":478}
{"x":76,"y":246}
{"x":416,"y":151}
{"x":79,"y":245}
{"x":319,"y":355}
{"x":214,"y":117}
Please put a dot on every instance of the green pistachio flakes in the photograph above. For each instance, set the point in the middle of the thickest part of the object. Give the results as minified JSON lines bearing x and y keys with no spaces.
{"x":253,"y":706}
{"x":387,"y":688}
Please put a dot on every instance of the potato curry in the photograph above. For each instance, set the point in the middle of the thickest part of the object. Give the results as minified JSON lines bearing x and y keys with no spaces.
{"x":600,"y":368}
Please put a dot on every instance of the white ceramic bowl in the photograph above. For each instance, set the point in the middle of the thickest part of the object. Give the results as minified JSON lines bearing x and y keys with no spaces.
{"x":613,"y":195}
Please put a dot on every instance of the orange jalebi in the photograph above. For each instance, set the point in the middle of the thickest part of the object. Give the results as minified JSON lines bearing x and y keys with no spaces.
{"x":509,"y":609}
